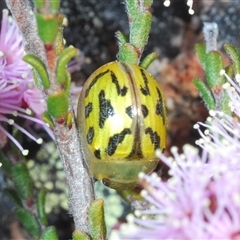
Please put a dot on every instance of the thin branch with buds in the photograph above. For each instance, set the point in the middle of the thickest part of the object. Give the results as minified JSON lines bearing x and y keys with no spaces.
{"x":79,"y":181}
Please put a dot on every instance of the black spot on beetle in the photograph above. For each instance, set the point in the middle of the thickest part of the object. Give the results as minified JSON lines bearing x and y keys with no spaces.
{"x":120,"y":91}
{"x":105,"y":108}
{"x":97,"y":153}
{"x":129,"y":111}
{"x":145,"y":90}
{"x":88,"y":109}
{"x":90,"y":135}
{"x":115,"y":140}
{"x":144,"y":110}
{"x":94,"y":81}
{"x":155,"y":138}
{"x":160,"y":107}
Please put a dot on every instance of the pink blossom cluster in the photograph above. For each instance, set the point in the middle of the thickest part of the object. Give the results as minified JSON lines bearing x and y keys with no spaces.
{"x":19,"y":98}
{"x":201,"y":199}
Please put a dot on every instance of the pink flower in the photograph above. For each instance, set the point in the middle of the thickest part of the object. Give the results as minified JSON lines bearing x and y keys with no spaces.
{"x":15,"y":82}
{"x":34,"y":100}
{"x":18,"y":95}
{"x":201,"y":200}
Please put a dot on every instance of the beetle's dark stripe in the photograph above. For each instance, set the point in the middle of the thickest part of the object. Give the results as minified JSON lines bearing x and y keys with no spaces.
{"x":131,"y":79}
{"x":120,"y":91}
{"x":144,"y":110}
{"x":115,"y":140}
{"x":94,"y":81}
{"x":129,"y":111}
{"x":97,"y":153}
{"x":145,"y":90}
{"x":139,"y":153}
{"x":136,"y":147}
{"x":88,"y":109}
{"x":105,"y":108}
{"x":155,"y":139}
{"x":160,"y":107}
{"x":90,"y":135}
{"x":131,"y":154}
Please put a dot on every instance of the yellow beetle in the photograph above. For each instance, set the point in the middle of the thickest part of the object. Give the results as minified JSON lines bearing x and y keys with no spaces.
{"x":122,"y":121}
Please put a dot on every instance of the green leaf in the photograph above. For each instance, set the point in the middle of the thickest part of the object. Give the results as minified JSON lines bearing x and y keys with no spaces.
{"x":234,"y":54}
{"x":122,"y":39}
{"x":29,"y":222}
{"x":97,"y":220}
{"x":130,"y":195}
{"x":55,"y":6}
{"x":225,"y":104}
{"x":148,"y":3}
{"x":80,"y":236}
{"x":139,"y":30}
{"x":13,"y":195}
{"x":149,"y":59}
{"x":132,"y":9}
{"x":41,"y":206}
{"x":135,"y":7}
{"x":57,"y":104}
{"x":6,"y":164}
{"x":50,"y":234}
{"x":39,"y":3}
{"x":229,"y":71}
{"x":201,"y":52}
{"x":59,"y":41}
{"x":37,"y":83}
{"x":140,"y":20}
{"x":47,"y":27}
{"x":39,"y":66}
{"x":46,"y":117}
{"x":205,"y":93}
{"x":69,"y":120}
{"x":128,"y":53}
{"x":22,"y":181}
{"x":66,"y":55}
{"x":214,"y":64}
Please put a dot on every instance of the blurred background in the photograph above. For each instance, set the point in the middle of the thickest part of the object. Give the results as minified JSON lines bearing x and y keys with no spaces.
{"x":91,"y":28}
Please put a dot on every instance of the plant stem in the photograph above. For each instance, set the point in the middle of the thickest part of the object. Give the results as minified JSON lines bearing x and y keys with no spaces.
{"x":79,"y":180}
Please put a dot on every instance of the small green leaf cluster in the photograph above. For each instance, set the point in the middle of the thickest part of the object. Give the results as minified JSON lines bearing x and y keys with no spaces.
{"x":96,"y":223}
{"x":212,"y":92}
{"x":54,"y":5}
{"x":140,"y":19}
{"x":51,"y":76}
{"x":22,"y":194}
